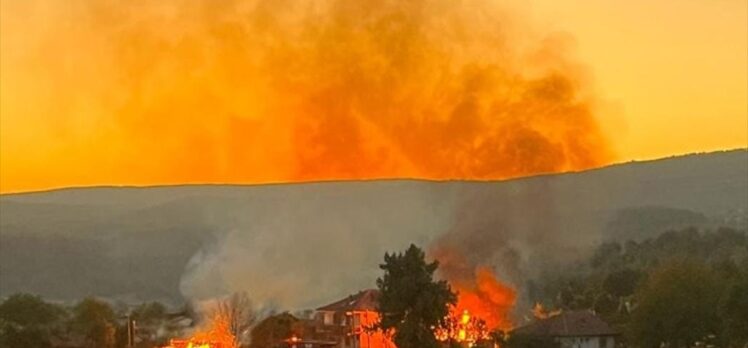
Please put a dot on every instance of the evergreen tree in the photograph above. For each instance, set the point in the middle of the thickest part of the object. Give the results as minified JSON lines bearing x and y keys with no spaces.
{"x":412,"y":303}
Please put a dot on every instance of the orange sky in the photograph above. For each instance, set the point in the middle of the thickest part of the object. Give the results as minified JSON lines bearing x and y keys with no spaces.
{"x":184,"y":91}
{"x":676,"y":69}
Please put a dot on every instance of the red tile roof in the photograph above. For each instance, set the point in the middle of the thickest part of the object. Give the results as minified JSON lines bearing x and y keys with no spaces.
{"x":312,"y":343}
{"x":567,"y":324}
{"x":365,"y":300}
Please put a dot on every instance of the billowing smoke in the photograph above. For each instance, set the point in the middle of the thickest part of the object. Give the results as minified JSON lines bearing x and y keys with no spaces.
{"x":248,"y":91}
{"x":301,"y":246}
{"x":298,"y":246}
{"x":497,"y":242}
{"x":279,"y":90}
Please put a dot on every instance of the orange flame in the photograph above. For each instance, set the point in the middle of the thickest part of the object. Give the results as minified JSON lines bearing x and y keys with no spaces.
{"x":487,"y":299}
{"x":462,"y":327}
{"x":480,"y":292}
{"x":540,"y":312}
{"x":216,"y":335}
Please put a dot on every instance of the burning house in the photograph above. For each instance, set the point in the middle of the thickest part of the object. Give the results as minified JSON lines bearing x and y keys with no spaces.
{"x":573,"y":329}
{"x":296,"y":342}
{"x":350,"y":321}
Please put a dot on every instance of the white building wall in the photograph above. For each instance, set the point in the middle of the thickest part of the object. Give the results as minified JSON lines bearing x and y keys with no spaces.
{"x":587,"y":342}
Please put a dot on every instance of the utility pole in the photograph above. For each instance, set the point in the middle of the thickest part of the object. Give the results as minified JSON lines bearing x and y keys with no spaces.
{"x":130,"y":332}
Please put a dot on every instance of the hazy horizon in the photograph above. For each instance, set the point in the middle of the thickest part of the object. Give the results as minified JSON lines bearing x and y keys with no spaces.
{"x":364,"y":180}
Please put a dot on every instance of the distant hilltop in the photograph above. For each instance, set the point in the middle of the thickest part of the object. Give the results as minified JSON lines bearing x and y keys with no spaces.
{"x":305,"y":243}
{"x":630,"y":162}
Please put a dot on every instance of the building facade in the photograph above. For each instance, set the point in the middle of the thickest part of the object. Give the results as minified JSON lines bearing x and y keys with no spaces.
{"x":572,"y":329}
{"x":350,"y":322}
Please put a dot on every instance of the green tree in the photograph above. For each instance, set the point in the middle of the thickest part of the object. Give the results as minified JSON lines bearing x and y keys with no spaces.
{"x":607,"y":255}
{"x":412,"y":303}
{"x":677,"y":306}
{"x":26,"y":321}
{"x":734,"y":310}
{"x":605,"y":305}
{"x":621,"y":283}
{"x":95,"y":320}
{"x":270,"y":331}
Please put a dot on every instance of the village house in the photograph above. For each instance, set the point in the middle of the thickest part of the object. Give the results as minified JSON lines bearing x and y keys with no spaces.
{"x":572,"y":329}
{"x":295,"y":342}
{"x":349,"y":321}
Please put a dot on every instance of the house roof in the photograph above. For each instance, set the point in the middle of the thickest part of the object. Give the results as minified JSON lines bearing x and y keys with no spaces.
{"x":365,"y":300}
{"x":572,"y":323}
{"x":318,"y":343}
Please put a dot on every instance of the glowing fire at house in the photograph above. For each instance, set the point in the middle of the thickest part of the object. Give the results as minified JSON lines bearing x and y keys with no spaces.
{"x":480,"y":292}
{"x":192,"y":344}
{"x":462,"y":327}
{"x":216,"y":335}
{"x":487,"y":298}
{"x":483,"y":305}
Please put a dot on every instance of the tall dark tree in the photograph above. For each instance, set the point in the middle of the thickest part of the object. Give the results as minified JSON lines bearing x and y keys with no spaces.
{"x":95,"y":320}
{"x":678,"y":306}
{"x":412,"y":302}
{"x":26,"y":321}
{"x":734,"y":310}
{"x":621,"y":283}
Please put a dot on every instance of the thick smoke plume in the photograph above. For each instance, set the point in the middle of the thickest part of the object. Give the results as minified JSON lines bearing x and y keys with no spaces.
{"x":497,"y":241}
{"x":250,"y":91}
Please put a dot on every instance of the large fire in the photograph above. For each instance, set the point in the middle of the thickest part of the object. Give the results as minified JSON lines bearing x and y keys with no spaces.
{"x":462,"y":327}
{"x":487,"y":299}
{"x":217,"y":334}
{"x":480,"y":292}
{"x":480,"y":309}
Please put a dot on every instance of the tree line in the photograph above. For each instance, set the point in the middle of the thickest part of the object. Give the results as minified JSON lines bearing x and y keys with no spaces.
{"x":677,"y":289}
{"x":28,"y":321}
{"x":673,"y":290}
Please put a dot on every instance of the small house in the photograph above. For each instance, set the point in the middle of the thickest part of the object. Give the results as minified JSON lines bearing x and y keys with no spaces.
{"x":350,"y":321}
{"x":572,"y":329}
